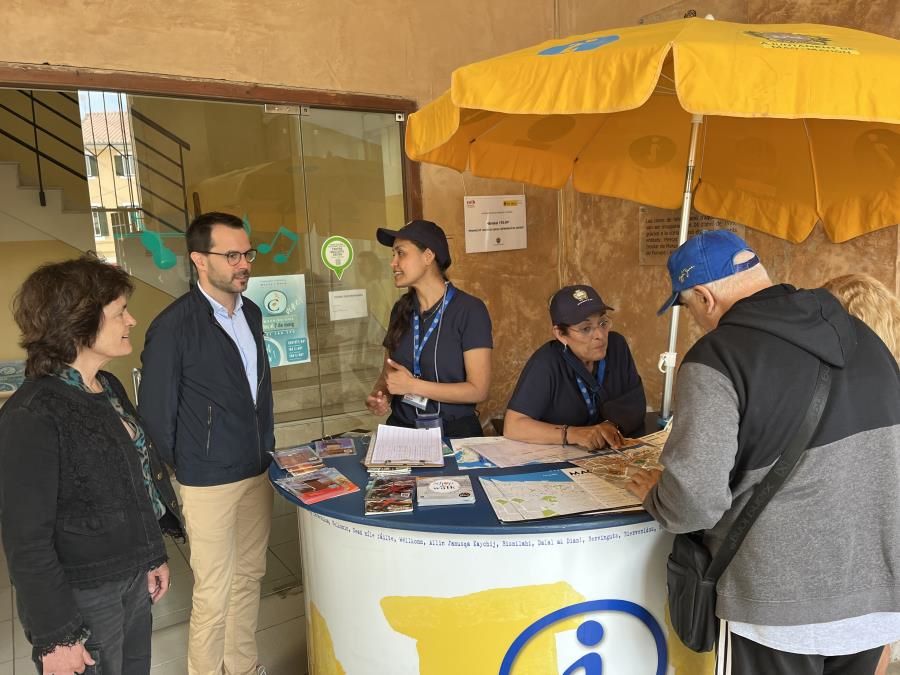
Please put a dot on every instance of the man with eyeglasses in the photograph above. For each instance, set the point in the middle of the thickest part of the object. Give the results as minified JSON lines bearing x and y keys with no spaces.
{"x":581,"y":387}
{"x":206,"y":395}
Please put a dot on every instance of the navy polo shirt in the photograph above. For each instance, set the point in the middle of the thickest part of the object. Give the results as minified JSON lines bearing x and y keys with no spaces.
{"x":547,"y":390}
{"x":466,"y":325}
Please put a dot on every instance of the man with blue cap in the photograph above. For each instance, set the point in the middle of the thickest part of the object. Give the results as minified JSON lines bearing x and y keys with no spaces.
{"x":815,"y":586}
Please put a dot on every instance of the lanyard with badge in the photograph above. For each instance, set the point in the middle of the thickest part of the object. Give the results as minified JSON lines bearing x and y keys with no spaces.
{"x":589,"y":392}
{"x":589,"y":397}
{"x":420,"y":403}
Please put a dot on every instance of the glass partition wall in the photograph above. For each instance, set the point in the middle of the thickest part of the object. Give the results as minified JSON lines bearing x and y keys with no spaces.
{"x":123,"y":175}
{"x":301,"y":179}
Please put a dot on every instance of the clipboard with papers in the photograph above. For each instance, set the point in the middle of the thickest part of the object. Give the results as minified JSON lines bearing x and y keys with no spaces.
{"x":403,"y":447}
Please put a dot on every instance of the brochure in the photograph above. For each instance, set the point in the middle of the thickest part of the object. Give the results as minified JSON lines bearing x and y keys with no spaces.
{"x":467,"y":458}
{"x":535,"y":496}
{"x":318,"y":485}
{"x":390,"y":494}
{"x":503,"y":452}
{"x":297,"y":460}
{"x":618,"y":466}
{"x":553,"y":493}
{"x":335,"y":447}
{"x":444,"y":490}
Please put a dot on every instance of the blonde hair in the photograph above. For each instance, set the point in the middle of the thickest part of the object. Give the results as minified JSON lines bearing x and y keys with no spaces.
{"x":869,"y":300}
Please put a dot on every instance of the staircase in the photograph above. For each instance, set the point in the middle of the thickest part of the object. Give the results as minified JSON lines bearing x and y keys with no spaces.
{"x":22,"y":218}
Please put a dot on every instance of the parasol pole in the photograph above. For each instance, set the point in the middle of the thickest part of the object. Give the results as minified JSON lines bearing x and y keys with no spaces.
{"x":667,"y":359}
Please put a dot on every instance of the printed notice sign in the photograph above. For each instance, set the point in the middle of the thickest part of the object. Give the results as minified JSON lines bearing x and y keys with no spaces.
{"x":495,"y":223}
{"x":282,"y":300}
{"x":659,"y":231}
{"x":350,"y":304}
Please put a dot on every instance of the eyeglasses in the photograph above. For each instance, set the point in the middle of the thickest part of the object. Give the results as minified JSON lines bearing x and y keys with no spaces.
{"x":234,"y":257}
{"x":586,"y":331}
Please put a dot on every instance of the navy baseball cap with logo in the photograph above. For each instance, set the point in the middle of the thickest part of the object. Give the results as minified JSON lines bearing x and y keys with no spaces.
{"x":574,"y":304}
{"x":703,"y":259}
{"x":423,"y":232}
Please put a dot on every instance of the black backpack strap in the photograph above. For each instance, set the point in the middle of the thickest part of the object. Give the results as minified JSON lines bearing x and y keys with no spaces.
{"x":776,"y":477}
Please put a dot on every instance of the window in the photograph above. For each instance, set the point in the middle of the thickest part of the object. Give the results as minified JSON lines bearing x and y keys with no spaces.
{"x":127,"y":220}
{"x":137,"y":221}
{"x":124,"y":165}
{"x":92,"y":169}
{"x":118,"y":219}
{"x":101,"y":227}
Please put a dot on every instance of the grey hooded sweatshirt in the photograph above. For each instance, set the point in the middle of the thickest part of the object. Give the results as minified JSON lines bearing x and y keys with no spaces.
{"x":827,"y":547}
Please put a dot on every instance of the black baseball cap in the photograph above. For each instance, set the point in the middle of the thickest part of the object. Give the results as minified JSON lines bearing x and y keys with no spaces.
{"x":574,"y":304}
{"x":423,"y":232}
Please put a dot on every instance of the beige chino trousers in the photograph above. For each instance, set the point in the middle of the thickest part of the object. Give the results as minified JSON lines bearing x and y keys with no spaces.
{"x":228,"y":532}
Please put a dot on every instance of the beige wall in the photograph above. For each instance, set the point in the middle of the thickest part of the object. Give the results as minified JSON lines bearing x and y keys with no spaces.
{"x":23,"y":257}
{"x":409,"y":49}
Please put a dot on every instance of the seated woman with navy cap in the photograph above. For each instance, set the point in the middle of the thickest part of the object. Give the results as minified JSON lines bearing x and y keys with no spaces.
{"x":437,"y":364}
{"x":582,"y":387}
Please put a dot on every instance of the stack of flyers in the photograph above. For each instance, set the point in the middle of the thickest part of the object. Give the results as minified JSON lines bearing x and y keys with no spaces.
{"x":297,"y":460}
{"x":444,"y":490}
{"x":335,"y":447}
{"x":392,"y":494}
{"x":318,"y":485}
{"x":375,"y":471}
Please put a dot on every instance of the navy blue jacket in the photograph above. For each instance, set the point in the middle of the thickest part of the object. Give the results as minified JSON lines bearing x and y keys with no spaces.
{"x":195,"y":399}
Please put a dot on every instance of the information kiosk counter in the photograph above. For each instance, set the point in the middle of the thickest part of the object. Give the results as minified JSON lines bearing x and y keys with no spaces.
{"x":449,"y":590}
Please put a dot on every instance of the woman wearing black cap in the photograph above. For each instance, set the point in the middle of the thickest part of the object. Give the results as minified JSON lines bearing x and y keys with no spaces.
{"x":582,"y":387}
{"x":438,"y":345}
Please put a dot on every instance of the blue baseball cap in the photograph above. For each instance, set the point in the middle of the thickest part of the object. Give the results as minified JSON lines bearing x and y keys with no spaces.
{"x":705,"y":258}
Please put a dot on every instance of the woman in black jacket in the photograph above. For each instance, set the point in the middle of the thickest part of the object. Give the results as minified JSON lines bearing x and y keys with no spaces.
{"x":84,"y":499}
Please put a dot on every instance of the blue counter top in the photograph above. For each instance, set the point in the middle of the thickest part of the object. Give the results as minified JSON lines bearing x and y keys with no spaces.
{"x":477,"y":518}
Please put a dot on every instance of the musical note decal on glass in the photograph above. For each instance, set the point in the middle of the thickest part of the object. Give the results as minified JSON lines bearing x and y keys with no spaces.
{"x":163,"y":257}
{"x":281,"y":257}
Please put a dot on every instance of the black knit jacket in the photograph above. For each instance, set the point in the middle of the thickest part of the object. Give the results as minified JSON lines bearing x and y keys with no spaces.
{"x":74,"y":510}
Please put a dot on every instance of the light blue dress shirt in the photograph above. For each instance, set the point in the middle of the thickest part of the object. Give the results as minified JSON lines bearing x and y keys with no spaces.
{"x":239,"y":331}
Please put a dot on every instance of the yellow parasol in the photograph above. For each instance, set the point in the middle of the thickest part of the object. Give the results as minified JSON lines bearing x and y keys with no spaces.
{"x":773,"y":126}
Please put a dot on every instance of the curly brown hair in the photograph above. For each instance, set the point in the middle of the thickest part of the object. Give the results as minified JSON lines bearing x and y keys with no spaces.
{"x":59,"y":309}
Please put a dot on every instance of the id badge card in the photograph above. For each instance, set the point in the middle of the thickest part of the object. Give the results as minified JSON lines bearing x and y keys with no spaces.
{"x":429,"y":421}
{"x":416,"y":401}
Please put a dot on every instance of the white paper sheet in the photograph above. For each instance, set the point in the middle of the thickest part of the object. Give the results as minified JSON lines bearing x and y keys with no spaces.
{"x":348,"y":304}
{"x":399,"y":445}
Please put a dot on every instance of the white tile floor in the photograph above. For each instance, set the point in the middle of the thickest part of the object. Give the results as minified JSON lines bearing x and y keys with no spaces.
{"x":281,"y":633}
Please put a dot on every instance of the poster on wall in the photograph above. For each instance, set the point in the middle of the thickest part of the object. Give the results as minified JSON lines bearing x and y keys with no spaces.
{"x":282,"y":300}
{"x":495,"y":223}
{"x":659,"y":231}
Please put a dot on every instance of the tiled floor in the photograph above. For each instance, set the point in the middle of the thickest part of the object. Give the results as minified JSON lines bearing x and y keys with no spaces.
{"x":281,"y":633}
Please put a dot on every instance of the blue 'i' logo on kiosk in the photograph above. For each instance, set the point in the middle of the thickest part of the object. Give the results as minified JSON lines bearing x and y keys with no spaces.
{"x":590,"y":634}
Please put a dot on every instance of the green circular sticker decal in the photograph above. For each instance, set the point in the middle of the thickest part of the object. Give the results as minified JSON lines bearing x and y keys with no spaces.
{"x":337,"y":254}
